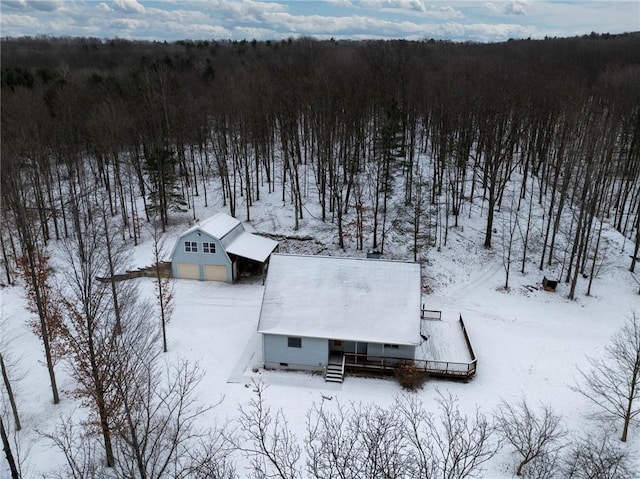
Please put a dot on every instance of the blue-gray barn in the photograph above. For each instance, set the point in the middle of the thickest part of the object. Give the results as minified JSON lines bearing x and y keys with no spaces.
{"x":319,"y":309}
{"x":217,"y":249}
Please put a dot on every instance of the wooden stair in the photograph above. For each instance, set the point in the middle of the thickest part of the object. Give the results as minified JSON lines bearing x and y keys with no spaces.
{"x":335,"y":370}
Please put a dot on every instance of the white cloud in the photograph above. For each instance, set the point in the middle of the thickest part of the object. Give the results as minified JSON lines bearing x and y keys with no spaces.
{"x":411,"y":8}
{"x":341,"y":26}
{"x":247,"y":10}
{"x":255,"y":32}
{"x":477,"y":20}
{"x":411,"y":5}
{"x":15,"y":20}
{"x":15,"y":4}
{"x":128,"y":24}
{"x":186,"y":16}
{"x":483,"y":32}
{"x":45,"y":5}
{"x":342,"y":3}
{"x":197,"y":31}
{"x":516,"y":7}
{"x":445,"y":13}
{"x":129,"y":6}
{"x":490,"y":6}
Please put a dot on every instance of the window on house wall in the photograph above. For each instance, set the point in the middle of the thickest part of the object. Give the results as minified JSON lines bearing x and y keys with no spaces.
{"x":390,"y":346}
{"x":294,"y":342}
{"x":209,"y":247}
{"x":191,"y":246}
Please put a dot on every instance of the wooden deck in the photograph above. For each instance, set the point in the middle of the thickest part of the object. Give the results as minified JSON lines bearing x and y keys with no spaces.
{"x":463,"y":370}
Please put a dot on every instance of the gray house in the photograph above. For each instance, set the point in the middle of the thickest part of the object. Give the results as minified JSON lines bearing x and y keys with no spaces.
{"x":323,"y":313}
{"x":218,"y":249}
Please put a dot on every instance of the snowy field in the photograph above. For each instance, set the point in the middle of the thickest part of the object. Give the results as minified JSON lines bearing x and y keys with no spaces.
{"x":528,"y":341}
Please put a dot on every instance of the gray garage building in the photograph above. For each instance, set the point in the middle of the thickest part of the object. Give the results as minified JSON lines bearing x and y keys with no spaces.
{"x":218,"y":249}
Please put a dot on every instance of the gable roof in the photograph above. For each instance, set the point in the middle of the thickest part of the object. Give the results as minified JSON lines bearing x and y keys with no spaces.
{"x":350,"y":299}
{"x":217,"y":226}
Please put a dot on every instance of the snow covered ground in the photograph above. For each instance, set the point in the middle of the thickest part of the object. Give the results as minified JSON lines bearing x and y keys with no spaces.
{"x":528,"y":341}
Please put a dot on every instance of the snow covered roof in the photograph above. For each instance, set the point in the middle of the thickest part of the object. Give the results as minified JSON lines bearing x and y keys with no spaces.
{"x":240,"y":243}
{"x":254,"y":247}
{"x":217,"y":226}
{"x":349,"y":299}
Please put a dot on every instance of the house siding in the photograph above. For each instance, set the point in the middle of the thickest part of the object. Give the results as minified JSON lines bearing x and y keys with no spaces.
{"x":403,"y":351}
{"x":220,"y":257}
{"x":312,"y":355}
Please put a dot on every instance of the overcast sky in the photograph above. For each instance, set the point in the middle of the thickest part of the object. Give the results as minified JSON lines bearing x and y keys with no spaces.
{"x":458,"y":20}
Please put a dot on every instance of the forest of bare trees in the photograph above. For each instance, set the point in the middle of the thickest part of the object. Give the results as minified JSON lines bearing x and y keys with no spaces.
{"x":345,"y":124}
{"x":104,"y":141}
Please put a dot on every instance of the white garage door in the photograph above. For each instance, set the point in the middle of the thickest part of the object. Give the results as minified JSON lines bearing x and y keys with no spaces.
{"x":188,"y":270}
{"x":215,"y":272}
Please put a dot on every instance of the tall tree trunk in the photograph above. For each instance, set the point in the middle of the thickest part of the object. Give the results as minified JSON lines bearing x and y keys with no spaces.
{"x":12,"y":400}
{"x":7,"y":452}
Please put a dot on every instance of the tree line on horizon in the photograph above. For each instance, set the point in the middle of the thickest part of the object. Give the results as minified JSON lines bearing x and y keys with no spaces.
{"x":346,"y":124}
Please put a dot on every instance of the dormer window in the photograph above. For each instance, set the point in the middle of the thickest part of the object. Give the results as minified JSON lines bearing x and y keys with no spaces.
{"x":191,"y":246}
{"x":209,"y":247}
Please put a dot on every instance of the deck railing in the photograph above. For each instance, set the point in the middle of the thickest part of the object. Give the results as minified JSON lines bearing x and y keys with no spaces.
{"x":364,"y":362}
{"x":387,"y":364}
{"x":467,"y":340}
{"x":430,"y":314}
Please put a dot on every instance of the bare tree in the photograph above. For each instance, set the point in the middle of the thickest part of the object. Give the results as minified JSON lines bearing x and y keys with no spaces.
{"x":40,"y":291}
{"x":6,"y":446}
{"x":9,"y":389}
{"x":597,"y":456}
{"x":330,"y":443}
{"x":535,"y":435}
{"x":6,"y":366}
{"x":91,"y":330}
{"x":157,"y":434}
{"x":383,"y":447}
{"x":419,"y":214}
{"x":403,"y":440}
{"x":613,"y":382}
{"x":265,"y":439}
{"x":449,"y":446}
{"x":162,"y":282}
{"x":510,"y":222}
{"x":153,"y":428}
{"x":34,"y":260}
{"x":463,"y":444}
{"x":94,"y":330}
{"x":356,"y":442}
{"x":80,"y":449}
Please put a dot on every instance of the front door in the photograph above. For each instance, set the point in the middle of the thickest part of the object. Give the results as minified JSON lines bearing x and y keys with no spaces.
{"x":335,"y":346}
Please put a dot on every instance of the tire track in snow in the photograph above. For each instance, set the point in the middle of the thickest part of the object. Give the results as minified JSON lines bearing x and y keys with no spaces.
{"x":461,"y":293}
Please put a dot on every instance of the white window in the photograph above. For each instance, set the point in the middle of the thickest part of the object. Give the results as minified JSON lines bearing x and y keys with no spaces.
{"x":209,"y":247}
{"x":294,"y":342}
{"x":191,"y":246}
